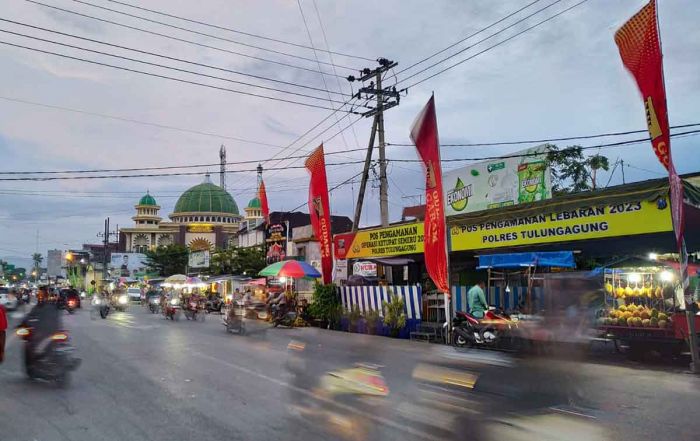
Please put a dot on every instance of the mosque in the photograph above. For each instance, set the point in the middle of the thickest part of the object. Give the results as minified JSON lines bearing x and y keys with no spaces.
{"x":205,"y":217}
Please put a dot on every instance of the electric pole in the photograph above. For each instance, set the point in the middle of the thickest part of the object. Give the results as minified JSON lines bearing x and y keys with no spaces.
{"x":105,"y":246}
{"x":386,"y":98}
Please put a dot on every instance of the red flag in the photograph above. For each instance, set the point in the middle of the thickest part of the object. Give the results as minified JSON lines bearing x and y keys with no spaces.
{"x":640,"y":49}
{"x":262,"y":195}
{"x":424,"y":135}
{"x":319,"y":210}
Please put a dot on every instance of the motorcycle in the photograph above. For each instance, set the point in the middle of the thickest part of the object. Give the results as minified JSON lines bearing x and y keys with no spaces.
{"x":55,"y":360}
{"x":101,"y":306}
{"x":71,"y":306}
{"x":154,"y":304}
{"x":120,"y":302}
{"x":280,"y":317}
{"x":193,"y":311}
{"x":234,"y":319}
{"x":215,"y":305}
{"x":495,"y":331}
{"x":172,"y":309}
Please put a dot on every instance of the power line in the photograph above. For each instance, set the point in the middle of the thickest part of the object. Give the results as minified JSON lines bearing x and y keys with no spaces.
{"x":203,"y":34}
{"x":177,"y":69}
{"x":466,"y":38}
{"x":135,"y":121}
{"x":167,"y":167}
{"x":488,"y":48}
{"x":237,"y":31}
{"x":170,"y":37}
{"x":546,"y":140}
{"x":180,"y":80}
{"x":347,"y":181}
{"x":154,"y":54}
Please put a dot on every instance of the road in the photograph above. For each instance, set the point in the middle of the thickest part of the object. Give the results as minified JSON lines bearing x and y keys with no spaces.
{"x":145,"y":378}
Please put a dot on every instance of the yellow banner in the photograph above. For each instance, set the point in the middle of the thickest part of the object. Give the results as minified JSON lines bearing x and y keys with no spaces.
{"x":593,"y":222}
{"x":380,"y":242}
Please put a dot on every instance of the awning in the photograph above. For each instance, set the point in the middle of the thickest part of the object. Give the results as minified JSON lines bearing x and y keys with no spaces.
{"x":560,"y":259}
{"x":393,"y":261}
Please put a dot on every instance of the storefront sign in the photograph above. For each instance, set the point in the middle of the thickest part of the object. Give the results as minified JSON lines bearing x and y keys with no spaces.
{"x":200,"y":228}
{"x":341,"y":270}
{"x":380,"y":242}
{"x":199,"y":259}
{"x":365,"y":269}
{"x":509,"y":181}
{"x":592,"y":222}
{"x":276,"y":242}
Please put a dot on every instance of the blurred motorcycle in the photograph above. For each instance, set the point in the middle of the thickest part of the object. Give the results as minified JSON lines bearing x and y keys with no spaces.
{"x":51,"y":359}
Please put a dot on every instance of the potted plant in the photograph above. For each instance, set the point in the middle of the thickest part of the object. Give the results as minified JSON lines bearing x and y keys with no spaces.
{"x":374,"y":322}
{"x":325,"y":307}
{"x":394,"y":316}
{"x":354,"y":316}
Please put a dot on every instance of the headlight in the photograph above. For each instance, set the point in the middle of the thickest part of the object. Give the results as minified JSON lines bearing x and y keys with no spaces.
{"x":156,"y":301}
{"x":96,"y":301}
{"x":174,"y":301}
{"x":123,"y":300}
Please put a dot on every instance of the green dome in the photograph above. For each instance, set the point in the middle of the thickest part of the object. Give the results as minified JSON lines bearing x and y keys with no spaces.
{"x":206,"y":198}
{"x":147,"y":199}
{"x":254,"y":203}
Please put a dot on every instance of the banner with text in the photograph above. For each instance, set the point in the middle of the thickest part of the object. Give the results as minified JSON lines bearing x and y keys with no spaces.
{"x":380,"y":242}
{"x":592,"y":222}
{"x":524,"y":177}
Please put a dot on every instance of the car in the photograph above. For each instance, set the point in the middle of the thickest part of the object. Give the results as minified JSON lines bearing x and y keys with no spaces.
{"x":134,"y":294}
{"x":7,"y":299}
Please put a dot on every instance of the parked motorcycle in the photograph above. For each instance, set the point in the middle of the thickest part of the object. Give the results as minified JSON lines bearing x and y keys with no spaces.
{"x":283,"y":317}
{"x":51,"y":359}
{"x":172,"y":309}
{"x":215,"y":304}
{"x":495,"y":331}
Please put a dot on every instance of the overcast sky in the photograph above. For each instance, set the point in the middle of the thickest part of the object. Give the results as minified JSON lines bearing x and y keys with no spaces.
{"x":563,"y":78}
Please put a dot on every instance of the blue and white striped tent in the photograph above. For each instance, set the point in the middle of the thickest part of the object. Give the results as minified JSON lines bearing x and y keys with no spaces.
{"x":370,"y":298}
{"x":493,"y":297}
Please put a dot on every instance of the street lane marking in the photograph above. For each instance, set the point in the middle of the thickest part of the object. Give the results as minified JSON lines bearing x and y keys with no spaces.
{"x":379,"y":419}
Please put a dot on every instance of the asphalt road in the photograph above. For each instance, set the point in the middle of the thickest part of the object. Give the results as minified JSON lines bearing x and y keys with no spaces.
{"x":145,"y":378}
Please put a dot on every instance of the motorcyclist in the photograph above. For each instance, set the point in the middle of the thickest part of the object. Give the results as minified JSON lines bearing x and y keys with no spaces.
{"x":44,"y":320}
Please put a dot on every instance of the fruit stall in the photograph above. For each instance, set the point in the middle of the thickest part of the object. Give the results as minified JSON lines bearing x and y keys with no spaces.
{"x":642,"y":310}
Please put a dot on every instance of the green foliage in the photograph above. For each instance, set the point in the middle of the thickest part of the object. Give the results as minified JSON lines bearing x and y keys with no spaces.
{"x":325,"y":304}
{"x":37,"y":258}
{"x":394,"y":316}
{"x":167,"y":260}
{"x":572,"y":171}
{"x":237,"y":260}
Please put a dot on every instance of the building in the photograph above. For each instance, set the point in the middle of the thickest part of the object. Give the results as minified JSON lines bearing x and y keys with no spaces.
{"x":204,"y":217}
{"x":54,"y":263}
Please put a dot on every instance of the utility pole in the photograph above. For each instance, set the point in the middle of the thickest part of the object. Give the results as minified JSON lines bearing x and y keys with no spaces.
{"x":222,"y":171}
{"x":622,"y":167}
{"x":105,"y":246}
{"x":386,"y":99}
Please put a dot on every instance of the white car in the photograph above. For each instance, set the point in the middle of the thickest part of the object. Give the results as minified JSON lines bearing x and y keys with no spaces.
{"x":134,"y":294}
{"x":9,"y":301}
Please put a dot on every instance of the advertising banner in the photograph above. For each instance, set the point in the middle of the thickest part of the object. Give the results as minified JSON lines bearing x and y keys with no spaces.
{"x":522,"y":178}
{"x":380,"y":242}
{"x":128,"y":264}
{"x":320,"y":210}
{"x":275,"y":242}
{"x":592,"y":222}
{"x":199,"y":259}
{"x":365,"y":269}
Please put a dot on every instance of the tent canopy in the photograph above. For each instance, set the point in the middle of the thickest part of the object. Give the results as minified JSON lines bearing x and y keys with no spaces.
{"x":561,"y":259}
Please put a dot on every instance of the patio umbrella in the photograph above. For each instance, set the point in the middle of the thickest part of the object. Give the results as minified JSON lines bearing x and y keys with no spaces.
{"x":175,"y":279}
{"x":290,"y":268}
{"x":195,"y":282}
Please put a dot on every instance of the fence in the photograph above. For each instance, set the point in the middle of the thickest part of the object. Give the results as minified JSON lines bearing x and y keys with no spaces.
{"x":370,"y":298}
{"x":497,"y":297}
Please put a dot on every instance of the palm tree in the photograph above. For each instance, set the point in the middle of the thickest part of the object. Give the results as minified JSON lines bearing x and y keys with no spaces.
{"x":37,"y":258}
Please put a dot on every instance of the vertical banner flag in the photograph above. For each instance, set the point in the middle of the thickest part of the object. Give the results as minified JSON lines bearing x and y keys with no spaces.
{"x":640,"y":50}
{"x":319,"y":210}
{"x":424,"y":135}
{"x":262,"y":195}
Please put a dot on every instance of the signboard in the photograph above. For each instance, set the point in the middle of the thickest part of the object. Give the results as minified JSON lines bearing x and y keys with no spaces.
{"x":198,"y":259}
{"x":341,"y":270}
{"x":523,"y":178}
{"x":380,"y":242}
{"x":591,"y":222}
{"x":200,"y":228}
{"x":365,"y":269}
{"x":275,"y":242}
{"x":128,"y":264}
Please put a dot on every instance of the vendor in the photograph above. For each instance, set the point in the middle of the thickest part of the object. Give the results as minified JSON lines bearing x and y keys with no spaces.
{"x":477,"y":300}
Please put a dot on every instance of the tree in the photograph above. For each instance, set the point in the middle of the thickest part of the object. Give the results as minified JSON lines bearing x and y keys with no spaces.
{"x":37,"y":258}
{"x":167,"y":260}
{"x":237,"y":260}
{"x":572,"y":171}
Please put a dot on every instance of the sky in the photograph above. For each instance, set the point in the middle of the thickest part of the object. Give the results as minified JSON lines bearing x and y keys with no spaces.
{"x":563,"y":78}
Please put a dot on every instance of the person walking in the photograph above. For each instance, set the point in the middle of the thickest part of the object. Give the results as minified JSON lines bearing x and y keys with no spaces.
{"x":3,"y":329}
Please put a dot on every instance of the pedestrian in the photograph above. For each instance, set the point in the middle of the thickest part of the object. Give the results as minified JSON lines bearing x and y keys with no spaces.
{"x":477,"y":300}
{"x":3,"y":329}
